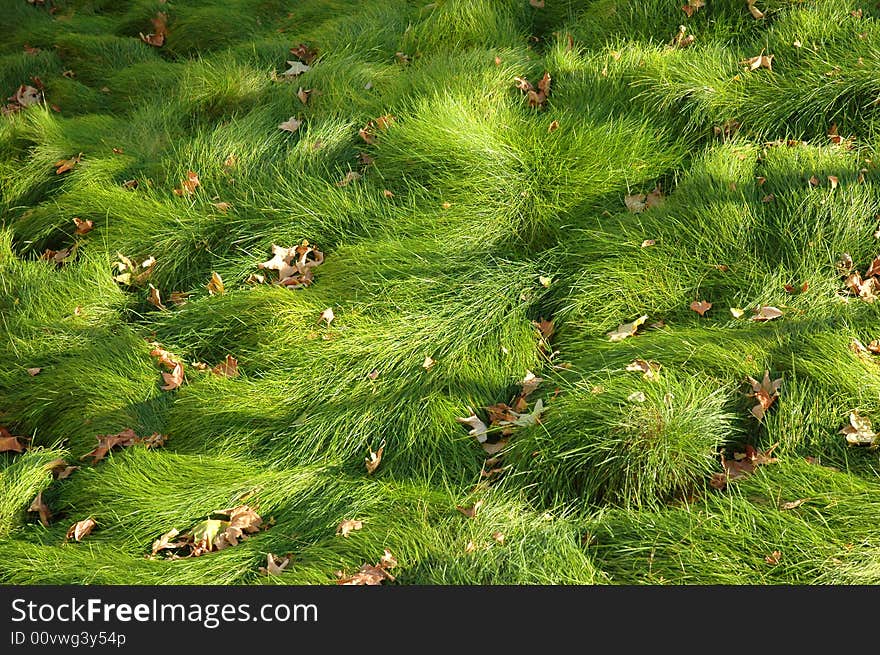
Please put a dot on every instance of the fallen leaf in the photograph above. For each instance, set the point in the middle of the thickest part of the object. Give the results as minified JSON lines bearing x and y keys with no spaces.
{"x":478,"y":428}
{"x":155,"y":298}
{"x":537,"y":4}
{"x":682,"y":39}
{"x":647,"y":243}
{"x":27,"y":96}
{"x":294,"y":265}
{"x":106,"y":442}
{"x":83,"y":227}
{"x":766,"y":314}
{"x":499,"y":537}
{"x":375,"y":458}
{"x":833,"y":181}
{"x":701,"y":307}
{"x":204,"y":534}
{"x":757,"y":13}
{"x":741,"y":465}
{"x":529,"y":384}
{"x":637,"y":397}
{"x":536,"y":97}
{"x":348,"y":526}
{"x":275,"y":565}
{"x":39,"y":505}
{"x":350,"y":177}
{"x":327,"y":316}
{"x":387,"y":193}
{"x":545,"y":281}
{"x":859,"y":432}
{"x":303,"y":95}
{"x":296,"y":68}
{"x":765,"y":392}
{"x":761,"y":61}
{"x":305,"y":52}
{"x":470,"y":512}
{"x":228,"y":368}
{"x":373,"y":374}
{"x":34,"y":371}
{"x":554,"y":125}
{"x":692,"y":7}
{"x":773,"y":558}
{"x":222,"y":206}
{"x":626,"y":330}
{"x":8,"y":443}
{"x":173,"y":379}
{"x":290,"y":125}
{"x":60,"y":469}
{"x":215,"y":286}
{"x":793,"y":504}
{"x":470,"y":547}
{"x":736,"y":312}
{"x":160,"y":31}
{"x":189,"y":185}
{"x":64,"y":165}
{"x":649,"y":370}
{"x":81,"y":529}
{"x":545,"y":327}
{"x":429,"y":363}
{"x":367,"y":575}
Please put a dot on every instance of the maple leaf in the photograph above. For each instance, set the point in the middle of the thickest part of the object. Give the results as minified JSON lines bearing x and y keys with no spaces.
{"x":204,"y":533}
{"x":374,"y":459}
{"x":382,"y":123}
{"x":296,"y":69}
{"x":649,"y":370}
{"x":228,"y":368}
{"x":64,"y":165}
{"x":106,"y":442}
{"x":766,"y":314}
{"x":215,"y":285}
{"x":536,"y":97}
{"x":163,"y":357}
{"x":692,"y":7}
{"x":275,"y":565}
{"x":39,"y":505}
{"x":81,"y":529}
{"x":741,"y":465}
{"x":83,"y":227}
{"x":348,"y":526}
{"x":173,"y":379}
{"x":701,"y":307}
{"x":478,"y":428}
{"x":242,"y":521}
{"x":290,"y":125}
{"x":859,"y":432}
{"x":760,"y":61}
{"x":625,"y":330}
{"x":765,"y":392}
{"x":56,"y":256}
{"x":189,"y":185}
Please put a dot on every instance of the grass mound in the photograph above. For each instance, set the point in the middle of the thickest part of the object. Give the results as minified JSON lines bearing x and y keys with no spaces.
{"x":551,"y":313}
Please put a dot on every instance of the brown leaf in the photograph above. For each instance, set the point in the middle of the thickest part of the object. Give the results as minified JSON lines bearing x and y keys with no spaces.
{"x":692,"y":7}
{"x":478,"y":428}
{"x":367,"y":575}
{"x":228,"y":368}
{"x":34,"y":371}
{"x":165,"y":542}
{"x":761,"y":61}
{"x":38,"y":505}
{"x":766,"y":314}
{"x":8,"y":443}
{"x":647,"y":243}
{"x":554,"y":125}
{"x":215,"y":285}
{"x":173,"y":379}
{"x":155,"y":298}
{"x":160,"y":31}
{"x":757,"y":13}
{"x":375,"y":458}
{"x":222,"y":206}
{"x":189,"y":185}
{"x":291,"y":125}
{"x":350,"y":177}
{"x":368,"y":132}
{"x":303,"y":95}
{"x":304,"y":52}
{"x":499,"y":537}
{"x":64,"y":165}
{"x":701,"y":307}
{"x":60,"y":469}
{"x":163,"y":357}
{"x":773,"y":558}
{"x":106,"y":442}
{"x":348,"y":526}
{"x":537,"y":4}
{"x":275,"y":565}
{"x":682,"y":39}
{"x":81,"y":529}
{"x":26,"y":96}
{"x":83,"y":227}
{"x":428,"y":363}
{"x":470,"y":546}
{"x":793,"y":504}
{"x":470,"y":512}
{"x":765,"y":392}
{"x":545,"y":327}
{"x":833,"y":181}
{"x":649,"y":370}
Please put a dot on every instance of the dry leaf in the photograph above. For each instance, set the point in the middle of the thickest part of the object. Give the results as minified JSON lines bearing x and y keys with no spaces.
{"x":701,"y":307}
{"x":160,"y":31}
{"x":537,"y":4}
{"x":635,"y":203}
{"x":545,"y":327}
{"x":296,"y":68}
{"x":470,"y":512}
{"x":537,"y":97}
{"x":228,"y":368}
{"x":327,"y":316}
{"x":60,"y":469}
{"x":470,"y":547}
{"x":736,"y":312}
{"x":155,"y":299}
{"x":275,"y":565}
{"x":304,"y":52}
{"x":348,"y":526}
{"x":173,"y":379}
{"x":189,"y":185}
{"x":757,"y":13}
{"x":26,"y":96}
{"x":368,"y":132}
{"x":64,"y":165}
{"x":83,"y":227}
{"x":106,"y":442}
{"x":8,"y":443}
{"x":761,"y":61}
{"x":859,"y":432}
{"x":793,"y":504}
{"x":290,"y":125}
{"x":765,"y":392}
{"x":222,"y":206}
{"x":215,"y":286}
{"x":636,"y":397}
{"x":529,"y":384}
{"x":649,"y":370}
{"x":773,"y":558}
{"x":692,"y":7}
{"x":350,"y":177}
{"x":766,"y":314}
{"x":834,"y":181}
{"x":81,"y":529}
{"x":294,"y":265}
{"x":303,"y":95}
{"x":647,"y":243}
{"x":499,"y":537}
{"x":375,"y":458}
{"x":34,"y":371}
{"x":682,"y":39}
{"x":367,"y":575}
{"x":39,"y":505}
{"x":478,"y":428}
{"x":627,"y":329}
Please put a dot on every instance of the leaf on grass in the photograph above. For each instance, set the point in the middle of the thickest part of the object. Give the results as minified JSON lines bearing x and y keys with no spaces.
{"x":348,"y":526}
{"x":428,"y":363}
{"x":741,"y":465}
{"x":757,"y":13}
{"x":529,"y":384}
{"x":155,"y":298}
{"x":478,"y":428}
{"x":701,"y":307}
{"x":173,"y":379}
{"x":242,"y":521}
{"x":107,"y":442}
{"x":222,"y":206}
{"x":296,"y":69}
{"x":83,"y":227}
{"x":369,"y":132}
{"x":81,"y":529}
{"x":60,"y":469}
{"x":537,"y":4}
{"x":26,"y":96}
{"x":626,"y":330}
{"x":636,"y":203}
{"x":34,"y":371}
{"x":470,"y":512}
{"x":290,"y":125}
{"x":793,"y":504}
{"x":859,"y":432}
{"x":765,"y":392}
{"x":204,"y":533}
{"x":682,"y":39}
{"x":374,"y":459}
{"x":166,"y":541}
{"x":692,"y":7}
{"x":766,"y":314}
{"x":760,"y":61}
{"x":64,"y":165}
{"x":650,"y":370}
{"x":189,"y":185}
{"x":536,"y":97}
{"x":39,"y":505}
{"x":773,"y":558}
{"x":304,"y":52}
{"x":294,"y":265}
{"x":370,"y":574}
{"x":8,"y":443}
{"x":215,"y":285}
{"x":228,"y":368}
{"x":545,"y":327}
{"x":350,"y":176}
{"x":274,"y":565}
{"x":160,"y":31}
{"x":303,"y":95}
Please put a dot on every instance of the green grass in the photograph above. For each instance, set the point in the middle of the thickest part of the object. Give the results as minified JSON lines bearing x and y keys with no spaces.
{"x":475,"y":217}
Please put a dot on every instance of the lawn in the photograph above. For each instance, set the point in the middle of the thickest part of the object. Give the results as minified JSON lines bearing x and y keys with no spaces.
{"x":468,"y":292}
